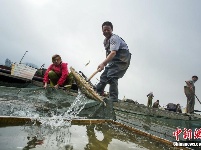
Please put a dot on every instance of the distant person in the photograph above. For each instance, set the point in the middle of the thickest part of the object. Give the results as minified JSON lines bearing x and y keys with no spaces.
{"x":57,"y":73}
{"x":150,"y":97}
{"x":115,"y":64}
{"x":178,"y":109}
{"x":189,"y":91}
{"x":156,"y":104}
{"x":8,"y":62}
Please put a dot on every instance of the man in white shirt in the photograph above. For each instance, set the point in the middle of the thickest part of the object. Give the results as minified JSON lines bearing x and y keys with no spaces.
{"x":116,"y":62}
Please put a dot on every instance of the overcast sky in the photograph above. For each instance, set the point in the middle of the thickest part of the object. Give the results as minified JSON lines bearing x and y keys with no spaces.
{"x":164,"y":37}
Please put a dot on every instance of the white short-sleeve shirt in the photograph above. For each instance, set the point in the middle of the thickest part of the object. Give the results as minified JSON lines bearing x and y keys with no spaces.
{"x":115,"y":43}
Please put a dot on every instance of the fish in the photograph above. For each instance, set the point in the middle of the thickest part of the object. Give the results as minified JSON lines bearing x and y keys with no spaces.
{"x":87,"y":63}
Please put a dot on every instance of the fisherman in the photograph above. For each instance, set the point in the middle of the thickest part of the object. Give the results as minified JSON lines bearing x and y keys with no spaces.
{"x":156,"y":104}
{"x":178,"y":109}
{"x":116,"y":63}
{"x":57,"y":73}
{"x":150,"y":97}
{"x":189,"y":91}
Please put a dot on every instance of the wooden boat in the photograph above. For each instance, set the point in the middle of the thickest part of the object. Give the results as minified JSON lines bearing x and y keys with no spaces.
{"x":8,"y":78}
{"x":23,"y":77}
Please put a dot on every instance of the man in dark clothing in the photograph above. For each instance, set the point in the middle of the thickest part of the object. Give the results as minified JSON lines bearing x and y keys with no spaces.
{"x":178,"y":108}
{"x":116,"y":63}
{"x":156,"y":104}
{"x":150,"y":97}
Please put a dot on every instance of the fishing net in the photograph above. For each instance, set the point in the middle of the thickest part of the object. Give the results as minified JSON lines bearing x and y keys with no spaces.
{"x":35,"y":101}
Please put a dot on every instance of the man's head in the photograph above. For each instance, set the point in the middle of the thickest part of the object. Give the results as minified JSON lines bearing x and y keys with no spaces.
{"x":107,"y":29}
{"x":194,"y":78}
{"x":56,"y":59}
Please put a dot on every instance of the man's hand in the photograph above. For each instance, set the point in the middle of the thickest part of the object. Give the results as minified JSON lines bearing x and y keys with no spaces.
{"x":45,"y":85}
{"x":108,"y":59}
{"x":56,"y":86}
{"x":100,"y":67}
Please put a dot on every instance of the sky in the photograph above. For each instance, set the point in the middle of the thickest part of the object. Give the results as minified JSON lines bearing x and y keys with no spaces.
{"x":162,"y":35}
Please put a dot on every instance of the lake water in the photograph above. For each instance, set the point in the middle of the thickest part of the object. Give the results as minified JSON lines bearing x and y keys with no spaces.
{"x":75,"y":137}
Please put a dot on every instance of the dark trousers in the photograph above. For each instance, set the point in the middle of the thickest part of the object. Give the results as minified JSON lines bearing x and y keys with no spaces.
{"x":110,"y":76}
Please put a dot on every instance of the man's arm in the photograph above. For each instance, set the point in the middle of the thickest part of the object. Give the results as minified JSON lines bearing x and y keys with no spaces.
{"x":108,"y":59}
{"x":46,"y":78}
{"x":189,"y":84}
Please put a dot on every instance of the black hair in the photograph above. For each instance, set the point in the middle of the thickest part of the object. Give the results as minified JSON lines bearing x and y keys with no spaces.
{"x":107,"y":23}
{"x":54,"y":56}
{"x":195,"y":77}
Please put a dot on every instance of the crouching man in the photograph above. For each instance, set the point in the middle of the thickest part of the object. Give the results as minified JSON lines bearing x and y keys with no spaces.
{"x":57,"y":73}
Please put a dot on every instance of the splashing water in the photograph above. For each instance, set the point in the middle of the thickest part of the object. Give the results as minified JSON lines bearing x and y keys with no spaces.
{"x":56,"y":128}
{"x":49,"y":107}
{"x":64,"y":119}
{"x":76,"y":107}
{"x":55,"y":122}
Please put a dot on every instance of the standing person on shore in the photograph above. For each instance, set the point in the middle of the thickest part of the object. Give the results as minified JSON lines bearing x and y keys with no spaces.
{"x":57,"y":73}
{"x":189,"y":91}
{"x":150,"y":97}
{"x":115,"y":64}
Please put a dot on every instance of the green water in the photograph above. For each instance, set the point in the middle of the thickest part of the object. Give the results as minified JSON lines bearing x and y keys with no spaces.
{"x":38,"y":103}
